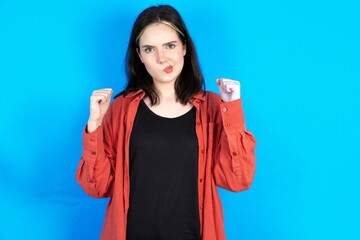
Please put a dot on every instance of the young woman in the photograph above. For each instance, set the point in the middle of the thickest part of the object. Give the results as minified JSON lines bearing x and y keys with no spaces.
{"x":162,"y":147}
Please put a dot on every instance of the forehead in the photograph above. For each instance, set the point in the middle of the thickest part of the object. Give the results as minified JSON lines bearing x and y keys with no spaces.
{"x":158,"y":33}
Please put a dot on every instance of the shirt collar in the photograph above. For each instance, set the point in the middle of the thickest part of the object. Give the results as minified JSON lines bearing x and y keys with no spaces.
{"x":139,"y":93}
{"x":198,"y":96}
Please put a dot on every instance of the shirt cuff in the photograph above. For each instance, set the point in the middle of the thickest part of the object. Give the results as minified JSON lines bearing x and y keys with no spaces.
{"x":233,"y":116}
{"x":90,"y":143}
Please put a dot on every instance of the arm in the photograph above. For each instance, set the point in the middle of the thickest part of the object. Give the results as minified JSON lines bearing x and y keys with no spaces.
{"x":234,"y":160}
{"x":234,"y":146}
{"x":96,"y":169}
{"x":95,"y":172}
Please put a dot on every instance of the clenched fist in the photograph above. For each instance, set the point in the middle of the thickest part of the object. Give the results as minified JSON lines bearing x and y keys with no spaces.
{"x":229,"y":89}
{"x":99,"y":104}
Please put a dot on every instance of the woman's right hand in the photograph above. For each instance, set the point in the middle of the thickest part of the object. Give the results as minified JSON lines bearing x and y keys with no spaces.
{"x":99,"y":104}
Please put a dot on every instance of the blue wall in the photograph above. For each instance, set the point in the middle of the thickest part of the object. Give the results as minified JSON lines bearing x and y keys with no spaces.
{"x":298,"y":62}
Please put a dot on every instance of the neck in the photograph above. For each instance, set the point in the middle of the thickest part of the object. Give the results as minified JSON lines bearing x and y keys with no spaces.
{"x":166,"y":92}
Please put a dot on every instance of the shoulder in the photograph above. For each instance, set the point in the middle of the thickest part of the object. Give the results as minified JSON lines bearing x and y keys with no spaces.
{"x":210,"y":103}
{"x":207,"y":99}
{"x":212,"y":98}
{"x":207,"y":96}
{"x":121,"y":105}
{"x":119,"y":99}
{"x":117,"y":104}
{"x":124,"y":99}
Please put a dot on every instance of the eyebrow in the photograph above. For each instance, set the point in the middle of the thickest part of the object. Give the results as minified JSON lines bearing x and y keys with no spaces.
{"x":146,"y":46}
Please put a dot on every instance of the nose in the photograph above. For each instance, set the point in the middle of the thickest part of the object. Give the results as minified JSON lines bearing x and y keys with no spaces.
{"x":161,"y":56}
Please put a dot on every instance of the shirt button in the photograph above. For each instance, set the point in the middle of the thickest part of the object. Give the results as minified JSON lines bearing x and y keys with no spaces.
{"x":92,"y":139}
{"x":201,"y":180}
{"x":93,"y":153}
{"x":227,"y":124}
{"x":224,"y":109}
{"x":234,"y":153}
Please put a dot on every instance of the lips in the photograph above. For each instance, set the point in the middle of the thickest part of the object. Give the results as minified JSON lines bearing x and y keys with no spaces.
{"x":168,"y":69}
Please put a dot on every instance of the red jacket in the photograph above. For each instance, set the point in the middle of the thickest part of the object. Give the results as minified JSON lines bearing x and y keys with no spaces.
{"x":226,"y":159}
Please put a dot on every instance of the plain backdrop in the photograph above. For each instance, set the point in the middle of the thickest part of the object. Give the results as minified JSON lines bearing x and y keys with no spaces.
{"x":298,"y":63}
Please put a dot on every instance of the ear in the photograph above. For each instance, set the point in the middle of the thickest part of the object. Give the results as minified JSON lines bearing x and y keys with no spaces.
{"x":137,"y":50}
{"x":184,"y":49}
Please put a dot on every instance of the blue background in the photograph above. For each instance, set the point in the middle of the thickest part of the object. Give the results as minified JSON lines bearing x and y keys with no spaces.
{"x":298,"y":62}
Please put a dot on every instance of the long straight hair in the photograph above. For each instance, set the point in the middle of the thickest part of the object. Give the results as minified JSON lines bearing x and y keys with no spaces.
{"x":189,"y":82}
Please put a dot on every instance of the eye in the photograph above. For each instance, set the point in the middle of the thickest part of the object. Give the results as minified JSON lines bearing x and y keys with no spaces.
{"x":170,"y":46}
{"x":148,"y":49}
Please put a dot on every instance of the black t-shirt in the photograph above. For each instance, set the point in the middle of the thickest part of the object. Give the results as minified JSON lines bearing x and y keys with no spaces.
{"x":163,"y":177}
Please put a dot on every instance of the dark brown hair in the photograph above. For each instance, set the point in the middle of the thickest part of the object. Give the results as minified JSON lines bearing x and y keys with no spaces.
{"x":190,"y":80}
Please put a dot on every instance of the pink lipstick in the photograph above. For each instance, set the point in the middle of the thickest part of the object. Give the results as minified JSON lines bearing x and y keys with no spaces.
{"x":168,"y":69}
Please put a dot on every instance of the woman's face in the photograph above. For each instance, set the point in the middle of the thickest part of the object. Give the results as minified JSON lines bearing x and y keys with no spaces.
{"x":162,"y":53}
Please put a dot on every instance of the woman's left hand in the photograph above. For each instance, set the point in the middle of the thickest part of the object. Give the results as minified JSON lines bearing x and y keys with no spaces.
{"x":229,"y":89}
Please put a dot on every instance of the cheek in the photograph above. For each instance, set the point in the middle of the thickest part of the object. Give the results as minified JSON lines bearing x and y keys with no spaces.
{"x":147,"y":61}
{"x":150,"y":67}
{"x":178,"y":56}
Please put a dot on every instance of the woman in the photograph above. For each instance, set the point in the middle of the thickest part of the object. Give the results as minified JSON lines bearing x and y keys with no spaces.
{"x":161,"y":148}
